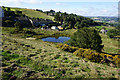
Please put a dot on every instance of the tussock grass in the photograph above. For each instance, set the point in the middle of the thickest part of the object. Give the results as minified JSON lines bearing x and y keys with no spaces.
{"x":64,"y":64}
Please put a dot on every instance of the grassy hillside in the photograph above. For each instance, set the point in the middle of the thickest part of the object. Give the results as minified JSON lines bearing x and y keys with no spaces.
{"x":110,"y":45}
{"x":33,"y":13}
{"x":43,"y":60}
{"x":39,"y":59}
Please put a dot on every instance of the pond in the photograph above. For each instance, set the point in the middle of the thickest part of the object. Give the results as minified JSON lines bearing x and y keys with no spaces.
{"x":58,"y":40}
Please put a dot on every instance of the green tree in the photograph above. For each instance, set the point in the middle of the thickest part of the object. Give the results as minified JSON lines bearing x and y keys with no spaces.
{"x":8,"y":9}
{"x":8,"y":23}
{"x":18,"y":26}
{"x":84,"y":23}
{"x":57,"y":17}
{"x":77,"y":25}
{"x":86,"y":38}
{"x":113,"y":32}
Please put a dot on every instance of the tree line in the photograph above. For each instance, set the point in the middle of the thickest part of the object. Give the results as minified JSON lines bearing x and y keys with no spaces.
{"x":73,"y":21}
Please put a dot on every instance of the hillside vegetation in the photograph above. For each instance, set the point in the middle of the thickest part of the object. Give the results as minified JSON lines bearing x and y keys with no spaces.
{"x":33,"y":13}
{"x":38,"y":59}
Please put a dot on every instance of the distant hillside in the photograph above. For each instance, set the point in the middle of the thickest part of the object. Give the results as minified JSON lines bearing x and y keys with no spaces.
{"x":105,"y":19}
{"x":33,"y":13}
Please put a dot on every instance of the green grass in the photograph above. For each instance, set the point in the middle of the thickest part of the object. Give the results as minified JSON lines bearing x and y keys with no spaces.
{"x":47,"y":61}
{"x":51,"y":62}
{"x":106,"y":27}
{"x":110,"y":45}
{"x":33,"y":13}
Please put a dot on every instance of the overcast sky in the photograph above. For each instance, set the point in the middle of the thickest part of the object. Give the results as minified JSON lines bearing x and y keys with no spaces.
{"x":79,"y":7}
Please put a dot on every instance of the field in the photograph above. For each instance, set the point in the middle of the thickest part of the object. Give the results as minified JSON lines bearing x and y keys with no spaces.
{"x":32,"y":13}
{"x":110,"y":45}
{"x":62,"y":62}
{"x":38,"y":59}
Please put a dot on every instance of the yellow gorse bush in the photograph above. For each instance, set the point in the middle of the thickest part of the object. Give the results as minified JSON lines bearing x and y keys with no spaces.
{"x":91,"y":55}
{"x":66,"y":47}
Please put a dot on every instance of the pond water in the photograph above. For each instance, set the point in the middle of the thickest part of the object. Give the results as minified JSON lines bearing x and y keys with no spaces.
{"x":58,"y":40}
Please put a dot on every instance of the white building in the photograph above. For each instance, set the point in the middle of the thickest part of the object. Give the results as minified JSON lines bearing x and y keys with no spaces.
{"x":54,"y":27}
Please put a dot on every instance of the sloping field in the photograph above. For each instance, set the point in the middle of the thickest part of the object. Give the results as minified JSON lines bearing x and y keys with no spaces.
{"x":110,"y":45}
{"x":33,"y":13}
{"x":63,"y":64}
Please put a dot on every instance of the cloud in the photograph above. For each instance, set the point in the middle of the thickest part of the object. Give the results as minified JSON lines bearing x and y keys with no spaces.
{"x":35,"y":2}
{"x":10,"y":2}
{"x":58,"y":3}
{"x":104,"y":11}
{"x":80,"y":0}
{"x":18,"y":2}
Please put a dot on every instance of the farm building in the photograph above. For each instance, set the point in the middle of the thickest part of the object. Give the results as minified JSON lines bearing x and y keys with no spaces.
{"x":54,"y":27}
{"x":60,"y":27}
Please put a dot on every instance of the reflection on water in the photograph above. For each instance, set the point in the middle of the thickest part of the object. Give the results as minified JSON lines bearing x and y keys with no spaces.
{"x":58,"y":40}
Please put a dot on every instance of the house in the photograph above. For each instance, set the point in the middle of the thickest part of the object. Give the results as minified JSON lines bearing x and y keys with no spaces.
{"x":60,"y":27}
{"x":103,"y":31}
{"x":54,"y":27}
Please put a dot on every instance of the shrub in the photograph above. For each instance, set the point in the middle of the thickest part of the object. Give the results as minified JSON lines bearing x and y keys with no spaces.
{"x":7,"y":55}
{"x":66,"y":47}
{"x":116,"y":60}
{"x":86,"y":38}
{"x":113,"y":32}
{"x":12,"y":31}
{"x":94,"y":56}
{"x":88,"y":54}
{"x":8,"y":23}
{"x":91,"y":55}
{"x":18,"y":26}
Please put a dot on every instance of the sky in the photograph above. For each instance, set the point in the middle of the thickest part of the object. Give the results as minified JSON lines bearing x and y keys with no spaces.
{"x":79,"y":7}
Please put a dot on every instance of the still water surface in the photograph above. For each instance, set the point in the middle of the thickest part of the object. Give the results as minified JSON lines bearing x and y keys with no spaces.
{"x":58,"y":40}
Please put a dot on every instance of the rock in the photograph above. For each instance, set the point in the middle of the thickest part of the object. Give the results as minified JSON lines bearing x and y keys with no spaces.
{"x":30,"y":38}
